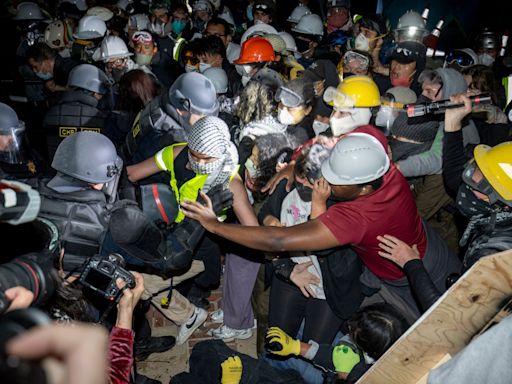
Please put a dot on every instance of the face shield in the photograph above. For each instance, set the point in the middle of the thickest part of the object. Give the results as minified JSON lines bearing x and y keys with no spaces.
{"x":473,"y":177}
{"x":387,"y":114}
{"x":11,"y":140}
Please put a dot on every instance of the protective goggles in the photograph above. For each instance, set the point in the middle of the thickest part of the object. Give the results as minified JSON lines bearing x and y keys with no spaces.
{"x":142,"y":37}
{"x":289,"y":98}
{"x":461,"y":58}
{"x":478,"y":182}
{"x":337,"y":99}
{"x":263,"y":7}
{"x":362,"y":60}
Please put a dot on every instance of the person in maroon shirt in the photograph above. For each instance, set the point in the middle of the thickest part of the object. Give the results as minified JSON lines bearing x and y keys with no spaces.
{"x":373,"y":199}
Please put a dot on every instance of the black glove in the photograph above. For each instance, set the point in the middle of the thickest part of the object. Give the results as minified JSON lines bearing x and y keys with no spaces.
{"x":221,"y":198}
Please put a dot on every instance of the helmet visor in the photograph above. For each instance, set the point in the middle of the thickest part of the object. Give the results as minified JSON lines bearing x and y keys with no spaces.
{"x":473,"y":177}
{"x":11,"y":144}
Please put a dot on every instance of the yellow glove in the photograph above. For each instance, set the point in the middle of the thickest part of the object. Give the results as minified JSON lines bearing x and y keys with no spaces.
{"x":231,"y":370}
{"x":344,"y":358}
{"x":279,"y":343}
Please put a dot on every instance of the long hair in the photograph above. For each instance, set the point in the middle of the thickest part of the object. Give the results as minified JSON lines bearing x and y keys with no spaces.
{"x":256,"y":102}
{"x":136,"y":89}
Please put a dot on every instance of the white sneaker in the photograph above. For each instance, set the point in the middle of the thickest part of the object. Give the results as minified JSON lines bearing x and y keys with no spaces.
{"x":217,"y":316}
{"x":187,"y":329}
{"x":227,"y":334}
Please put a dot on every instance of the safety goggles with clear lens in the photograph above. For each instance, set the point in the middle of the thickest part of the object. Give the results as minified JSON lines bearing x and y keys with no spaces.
{"x":289,"y":98}
{"x":363,"y":61}
{"x":142,"y":37}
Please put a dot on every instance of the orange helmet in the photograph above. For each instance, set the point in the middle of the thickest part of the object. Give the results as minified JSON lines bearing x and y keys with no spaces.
{"x":256,"y":50}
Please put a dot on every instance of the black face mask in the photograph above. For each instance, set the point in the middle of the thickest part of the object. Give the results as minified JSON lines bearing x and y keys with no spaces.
{"x":470,"y":205}
{"x":337,"y":199}
{"x":117,"y":74}
{"x":305,"y":193}
{"x":302,"y":45}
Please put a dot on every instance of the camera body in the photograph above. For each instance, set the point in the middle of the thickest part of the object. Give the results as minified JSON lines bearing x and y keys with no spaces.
{"x":100,"y":275}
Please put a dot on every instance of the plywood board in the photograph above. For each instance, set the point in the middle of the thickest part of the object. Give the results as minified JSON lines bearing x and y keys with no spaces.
{"x":449,"y":324}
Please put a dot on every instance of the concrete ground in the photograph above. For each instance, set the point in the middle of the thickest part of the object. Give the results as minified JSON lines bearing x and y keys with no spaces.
{"x":162,"y":366}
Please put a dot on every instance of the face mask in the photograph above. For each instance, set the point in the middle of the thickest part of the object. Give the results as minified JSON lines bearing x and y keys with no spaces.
{"x":302,"y":45}
{"x":142,"y":59}
{"x":44,"y":75}
{"x":117,"y":74}
{"x":319,"y":127}
{"x":204,"y":66}
{"x":191,"y":68}
{"x":336,"y":198}
{"x":247,"y":69}
{"x":256,"y":22}
{"x":402,"y":81}
{"x":305,"y":193}
{"x":204,"y":168}
{"x":65,"y":53}
{"x":337,"y":20}
{"x":248,"y":13}
{"x":470,"y":205}
{"x":178,"y":26}
{"x":251,"y":169}
{"x":486,"y":59}
{"x":245,"y":80}
{"x":357,"y":117}
{"x":157,"y":28}
{"x":385,"y":118}
{"x":199,"y":24}
{"x":362,"y":43}
{"x":286,"y":117}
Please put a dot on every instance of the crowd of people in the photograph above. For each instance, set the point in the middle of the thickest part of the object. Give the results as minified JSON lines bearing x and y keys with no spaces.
{"x":338,"y":173}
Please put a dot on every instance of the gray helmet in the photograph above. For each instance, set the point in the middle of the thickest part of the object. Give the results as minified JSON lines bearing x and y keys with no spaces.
{"x":195,"y":93}
{"x":87,"y":156}
{"x":13,"y":129}
{"x":487,"y":40}
{"x":89,"y":77}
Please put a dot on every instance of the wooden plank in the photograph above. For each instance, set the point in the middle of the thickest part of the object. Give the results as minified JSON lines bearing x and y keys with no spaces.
{"x":448,"y":326}
{"x":443,"y":360}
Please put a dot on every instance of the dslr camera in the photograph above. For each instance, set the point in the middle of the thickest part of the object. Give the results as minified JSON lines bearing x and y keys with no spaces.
{"x":100,"y":275}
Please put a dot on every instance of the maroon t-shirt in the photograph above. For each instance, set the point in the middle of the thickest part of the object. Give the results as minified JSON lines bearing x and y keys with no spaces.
{"x":389,"y":210}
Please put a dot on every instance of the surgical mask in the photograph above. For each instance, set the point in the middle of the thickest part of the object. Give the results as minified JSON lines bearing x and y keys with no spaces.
{"x":204,"y":66}
{"x":178,"y":26}
{"x":356,"y":118}
{"x":486,"y":59}
{"x":305,"y":193}
{"x":142,"y":59}
{"x":320,"y":127}
{"x":65,"y":53}
{"x":245,"y":80}
{"x":247,"y":69}
{"x":44,"y":75}
{"x":251,"y":169}
{"x":385,"y":118}
{"x":256,"y":22}
{"x":285,"y":117}
{"x":204,"y":168}
{"x":191,"y":68}
{"x":248,"y":13}
{"x":362,"y":43}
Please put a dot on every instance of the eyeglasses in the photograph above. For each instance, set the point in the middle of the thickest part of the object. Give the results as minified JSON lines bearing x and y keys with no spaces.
{"x":117,"y":63}
{"x":142,"y":37}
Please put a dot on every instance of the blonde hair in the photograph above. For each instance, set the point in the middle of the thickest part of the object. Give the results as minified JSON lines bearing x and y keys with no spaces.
{"x":256,"y":103}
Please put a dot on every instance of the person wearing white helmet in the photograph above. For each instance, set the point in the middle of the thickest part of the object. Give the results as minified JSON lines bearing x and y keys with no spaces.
{"x":202,"y":12}
{"x":299,"y":11}
{"x":291,"y":56}
{"x":371,"y":198}
{"x":114,"y":53}
{"x":88,"y":36}
{"x":308,"y":33}
{"x":103,"y":13}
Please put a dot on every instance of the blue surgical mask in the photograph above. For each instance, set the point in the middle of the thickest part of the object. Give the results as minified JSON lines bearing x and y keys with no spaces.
{"x":178,"y":26}
{"x":44,"y":75}
{"x":248,"y":13}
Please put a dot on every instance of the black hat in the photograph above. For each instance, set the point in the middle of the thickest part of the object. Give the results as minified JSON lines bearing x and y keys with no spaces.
{"x":409,"y":51}
{"x":338,"y":3}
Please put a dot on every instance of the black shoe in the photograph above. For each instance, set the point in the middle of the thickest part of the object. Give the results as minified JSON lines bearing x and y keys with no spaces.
{"x":144,"y":348}
{"x":141,"y":379}
{"x":199,"y":302}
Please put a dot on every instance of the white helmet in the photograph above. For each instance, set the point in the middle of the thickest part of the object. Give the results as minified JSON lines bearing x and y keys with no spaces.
{"x":80,"y":4}
{"x":257,"y":30}
{"x":310,"y":25}
{"x":112,"y":47}
{"x":90,"y":27}
{"x":291,"y":45}
{"x":28,"y":11}
{"x":356,"y":159}
{"x":411,"y":27}
{"x":123,"y":4}
{"x":139,"y":21}
{"x":103,"y":13}
{"x":57,"y":34}
{"x":297,"y":13}
{"x":219,"y":79}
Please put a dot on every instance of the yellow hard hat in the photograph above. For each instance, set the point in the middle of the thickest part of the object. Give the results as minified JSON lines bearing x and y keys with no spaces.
{"x":495,"y":163}
{"x":354,"y":91}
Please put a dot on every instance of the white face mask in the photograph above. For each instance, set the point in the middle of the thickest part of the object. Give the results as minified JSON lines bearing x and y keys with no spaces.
{"x":486,"y":59}
{"x":251,"y":169}
{"x":142,"y":59}
{"x":204,"y":66}
{"x":319,"y":127}
{"x":362,"y":43}
{"x":385,"y":118}
{"x":65,"y":53}
{"x":245,"y":80}
{"x":157,"y":28}
{"x":355,"y":118}
{"x":285,"y":117}
{"x":247,"y":69}
{"x":190,"y":68}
